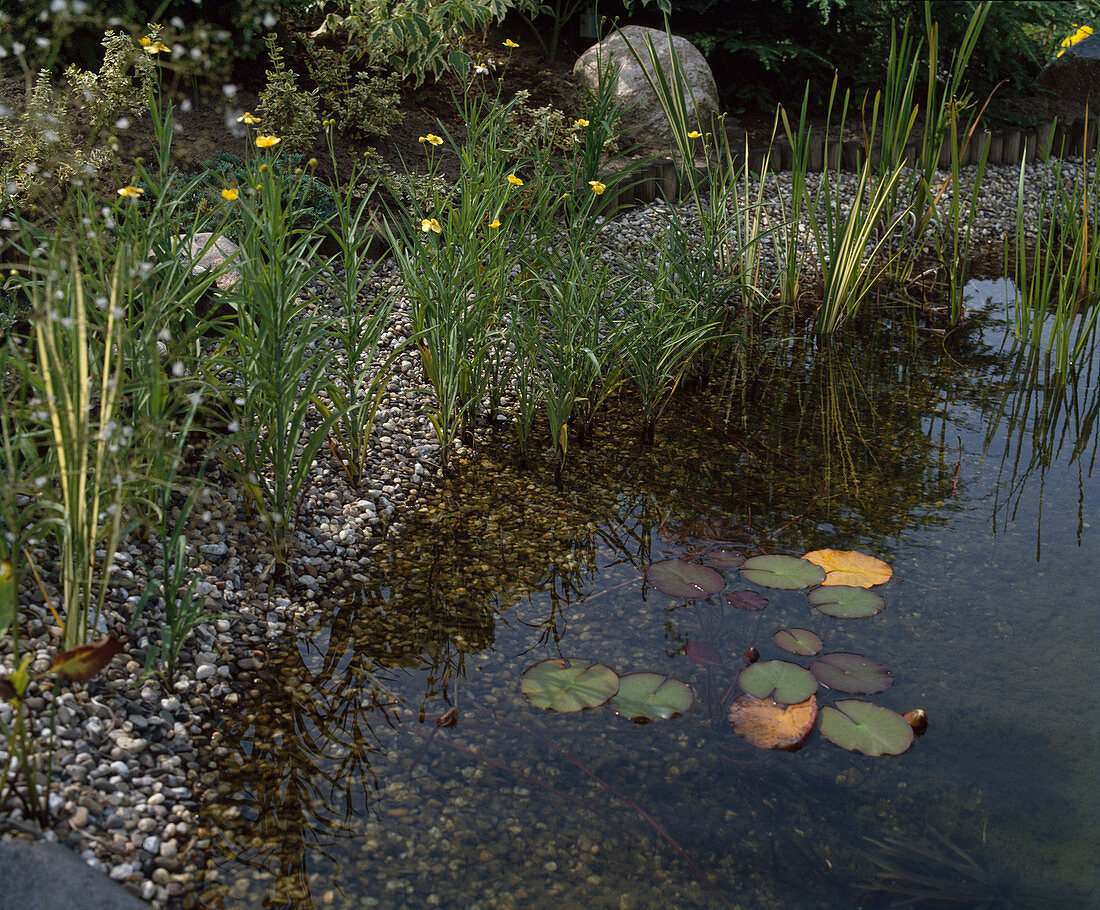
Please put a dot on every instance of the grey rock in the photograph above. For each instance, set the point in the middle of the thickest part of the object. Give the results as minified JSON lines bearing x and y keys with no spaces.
{"x":1074,"y":77}
{"x":644,"y":119}
{"x":45,"y":876}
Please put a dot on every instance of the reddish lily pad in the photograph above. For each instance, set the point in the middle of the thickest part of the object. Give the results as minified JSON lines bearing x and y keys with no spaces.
{"x":703,"y":652}
{"x":781,"y":680}
{"x":568,"y":686}
{"x":799,"y":641}
{"x":85,"y":661}
{"x":788,"y":573}
{"x":846,"y":601}
{"x":747,"y":600}
{"x":853,"y":673}
{"x":725,"y":559}
{"x":644,"y":697}
{"x":688,"y":580}
{"x":770,"y":725}
{"x":860,"y":726}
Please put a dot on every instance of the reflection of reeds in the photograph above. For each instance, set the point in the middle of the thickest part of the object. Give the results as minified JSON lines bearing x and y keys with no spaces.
{"x":1044,"y":414}
{"x":937,"y":871}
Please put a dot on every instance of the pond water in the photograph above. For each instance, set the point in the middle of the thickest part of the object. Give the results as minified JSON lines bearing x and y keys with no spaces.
{"x":967,"y":468}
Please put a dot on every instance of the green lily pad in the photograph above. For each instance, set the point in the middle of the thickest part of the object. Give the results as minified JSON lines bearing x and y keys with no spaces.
{"x":689,"y":580}
{"x":853,"y":673}
{"x":725,"y":559}
{"x":747,"y":600}
{"x":779,"y":680}
{"x":643,"y":697}
{"x":798,"y":641}
{"x":787,"y":573}
{"x":863,"y":727}
{"x":846,"y":602}
{"x":564,"y":687}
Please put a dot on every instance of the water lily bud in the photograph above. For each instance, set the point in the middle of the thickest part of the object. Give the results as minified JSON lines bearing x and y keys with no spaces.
{"x":918,"y":720}
{"x":752,"y":655}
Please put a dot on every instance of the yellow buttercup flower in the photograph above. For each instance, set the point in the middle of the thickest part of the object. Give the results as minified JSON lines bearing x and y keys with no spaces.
{"x":249,"y":118}
{"x":431,"y":139}
{"x":230,"y":194}
{"x":266,"y":142}
{"x":514,"y":180}
{"x":156,"y":47}
{"x":695,"y":134}
{"x":495,"y":223}
{"x":597,"y":187}
{"x":131,"y":192}
{"x":581,"y":122}
{"x":430,"y":224}
{"x":510,"y":43}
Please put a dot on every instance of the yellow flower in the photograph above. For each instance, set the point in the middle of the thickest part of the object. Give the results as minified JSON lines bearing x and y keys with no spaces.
{"x":510,"y":43}
{"x":581,"y":122}
{"x":156,"y":47}
{"x":131,"y":192}
{"x":597,"y":187}
{"x":266,"y":142}
{"x":430,"y":224}
{"x":249,"y":118}
{"x":1080,"y":35}
{"x":431,"y":139}
{"x":695,"y":134}
{"x":495,"y":223}
{"x":514,"y":180}
{"x":229,"y":194}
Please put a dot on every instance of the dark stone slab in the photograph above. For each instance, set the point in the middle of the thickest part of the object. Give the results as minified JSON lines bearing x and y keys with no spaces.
{"x":47,"y":876}
{"x":1074,"y":77}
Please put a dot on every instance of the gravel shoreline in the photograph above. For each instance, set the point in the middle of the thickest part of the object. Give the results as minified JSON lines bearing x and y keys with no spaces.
{"x":132,"y":761}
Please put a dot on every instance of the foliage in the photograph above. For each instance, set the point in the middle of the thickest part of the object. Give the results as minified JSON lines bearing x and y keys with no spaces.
{"x":285,"y":109}
{"x":417,"y":39}
{"x":360,"y":98}
{"x":62,"y":135}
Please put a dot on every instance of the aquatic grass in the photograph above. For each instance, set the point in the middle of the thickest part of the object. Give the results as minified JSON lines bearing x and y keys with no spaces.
{"x":852,"y":235}
{"x":77,"y":379}
{"x":1057,"y":273}
{"x":357,"y":381}
{"x":278,"y":355}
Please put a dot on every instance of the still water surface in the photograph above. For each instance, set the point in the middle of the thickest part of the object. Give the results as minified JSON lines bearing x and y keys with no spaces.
{"x":969,"y":469}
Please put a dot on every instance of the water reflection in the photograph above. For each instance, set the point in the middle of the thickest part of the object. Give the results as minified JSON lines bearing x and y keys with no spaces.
{"x":390,"y":760}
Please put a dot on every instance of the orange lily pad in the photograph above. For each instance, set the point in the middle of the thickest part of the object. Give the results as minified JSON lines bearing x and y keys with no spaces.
{"x":770,"y":725}
{"x":850,"y":567}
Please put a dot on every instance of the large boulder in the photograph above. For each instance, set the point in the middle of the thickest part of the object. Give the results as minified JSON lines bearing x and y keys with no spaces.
{"x":1074,"y":76}
{"x":644,"y":120}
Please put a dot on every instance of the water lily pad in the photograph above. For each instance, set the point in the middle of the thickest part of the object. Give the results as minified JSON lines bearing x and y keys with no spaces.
{"x":787,"y":573}
{"x":703,"y":652}
{"x":863,"y":727}
{"x":850,"y":567}
{"x":853,"y":673}
{"x":725,"y":559}
{"x":750,"y":601}
{"x":781,"y":680}
{"x":684,"y":579}
{"x":798,"y":641}
{"x":643,"y":697}
{"x":846,"y":601}
{"x":564,"y":687}
{"x":770,"y":725}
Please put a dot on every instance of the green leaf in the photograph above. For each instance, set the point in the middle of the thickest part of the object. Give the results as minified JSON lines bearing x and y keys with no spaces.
{"x":853,"y":673}
{"x":7,"y":595}
{"x":787,"y":573}
{"x":565,"y":687}
{"x":684,"y":579}
{"x":846,"y":602}
{"x":643,"y":697}
{"x":863,"y":727}
{"x":780,"y":680}
{"x":798,"y":641}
